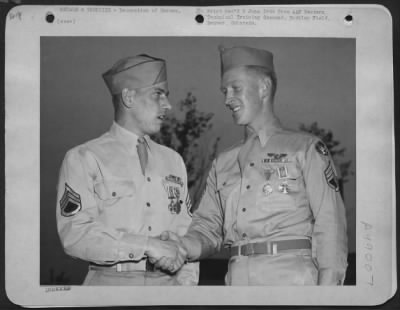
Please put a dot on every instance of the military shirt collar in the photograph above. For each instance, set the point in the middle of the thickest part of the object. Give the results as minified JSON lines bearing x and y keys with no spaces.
{"x":268,"y":130}
{"x":126,"y":137}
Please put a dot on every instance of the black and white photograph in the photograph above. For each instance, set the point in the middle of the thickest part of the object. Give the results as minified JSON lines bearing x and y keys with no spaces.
{"x":216,"y":157}
{"x":314,"y":105}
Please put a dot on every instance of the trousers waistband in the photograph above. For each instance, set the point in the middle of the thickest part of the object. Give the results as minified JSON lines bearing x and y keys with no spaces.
{"x":270,"y":247}
{"x":143,"y":265}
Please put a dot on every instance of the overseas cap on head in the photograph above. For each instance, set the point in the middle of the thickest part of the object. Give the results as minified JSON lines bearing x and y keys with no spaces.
{"x":245,"y":56}
{"x":135,"y":72}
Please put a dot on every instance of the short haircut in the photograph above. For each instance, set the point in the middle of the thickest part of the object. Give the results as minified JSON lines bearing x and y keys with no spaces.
{"x":116,"y":100}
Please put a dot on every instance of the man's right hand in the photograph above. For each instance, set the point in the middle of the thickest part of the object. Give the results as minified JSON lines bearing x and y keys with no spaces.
{"x":166,"y":253}
{"x":167,"y":263}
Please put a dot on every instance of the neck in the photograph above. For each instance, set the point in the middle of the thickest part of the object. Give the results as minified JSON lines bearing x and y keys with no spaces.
{"x":127,"y":124}
{"x":265,"y":120}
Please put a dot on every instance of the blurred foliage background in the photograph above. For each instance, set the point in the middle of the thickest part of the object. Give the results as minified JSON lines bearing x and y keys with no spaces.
{"x":189,"y":133}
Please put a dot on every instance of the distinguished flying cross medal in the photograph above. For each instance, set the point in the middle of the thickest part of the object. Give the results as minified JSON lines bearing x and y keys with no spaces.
{"x":331,"y":177}
{"x":283,"y":174}
{"x":284,"y":188}
{"x":70,"y":202}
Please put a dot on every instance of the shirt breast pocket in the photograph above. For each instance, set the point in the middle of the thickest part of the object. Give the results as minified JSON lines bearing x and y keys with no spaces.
{"x":284,"y":190}
{"x":293,"y":181}
{"x":227,"y":185}
{"x":110,"y":192}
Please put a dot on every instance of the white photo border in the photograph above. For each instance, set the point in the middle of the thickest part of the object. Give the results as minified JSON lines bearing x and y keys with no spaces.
{"x":372,"y":29}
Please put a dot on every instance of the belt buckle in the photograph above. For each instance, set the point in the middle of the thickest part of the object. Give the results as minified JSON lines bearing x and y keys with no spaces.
{"x":239,"y":250}
{"x":250,"y":249}
{"x":119,"y":267}
{"x":150,"y":266}
{"x":272,"y":248}
{"x":247,"y":250}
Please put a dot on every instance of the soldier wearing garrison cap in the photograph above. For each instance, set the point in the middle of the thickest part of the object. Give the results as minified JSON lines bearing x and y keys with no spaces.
{"x":272,"y":199}
{"x":119,"y":192}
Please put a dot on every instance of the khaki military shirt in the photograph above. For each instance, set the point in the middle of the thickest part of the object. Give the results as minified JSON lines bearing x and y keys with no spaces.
{"x":277,"y":185}
{"x":106,"y":207}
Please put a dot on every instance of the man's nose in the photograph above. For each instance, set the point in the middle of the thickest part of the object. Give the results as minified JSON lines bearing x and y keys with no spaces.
{"x":228,"y":97}
{"x":165,"y":104}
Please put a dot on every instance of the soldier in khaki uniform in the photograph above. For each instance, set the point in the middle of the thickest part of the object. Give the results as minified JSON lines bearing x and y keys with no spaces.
{"x":119,"y":192}
{"x":273,"y":199}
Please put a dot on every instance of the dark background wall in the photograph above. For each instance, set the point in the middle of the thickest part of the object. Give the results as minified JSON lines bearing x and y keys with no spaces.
{"x":316,"y":82}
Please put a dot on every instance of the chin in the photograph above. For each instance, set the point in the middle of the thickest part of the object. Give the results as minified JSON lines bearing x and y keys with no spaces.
{"x":154,"y":130}
{"x":239,"y":121}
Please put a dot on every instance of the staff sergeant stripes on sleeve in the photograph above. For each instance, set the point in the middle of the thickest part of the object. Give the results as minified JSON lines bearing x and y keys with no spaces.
{"x":70,"y":202}
{"x":188,"y":203}
{"x":331,"y":177}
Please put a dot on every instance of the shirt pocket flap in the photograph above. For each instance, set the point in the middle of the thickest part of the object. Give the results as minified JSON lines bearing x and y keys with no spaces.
{"x":226,"y":183}
{"x":293,"y":172}
{"x":290,"y":175}
{"x":115,"y":189}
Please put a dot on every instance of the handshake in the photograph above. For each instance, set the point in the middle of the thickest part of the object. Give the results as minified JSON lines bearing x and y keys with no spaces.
{"x":167,"y":253}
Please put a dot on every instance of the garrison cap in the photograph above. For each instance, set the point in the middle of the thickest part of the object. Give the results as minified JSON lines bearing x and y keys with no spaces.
{"x":135,"y":72}
{"x":245,"y":56}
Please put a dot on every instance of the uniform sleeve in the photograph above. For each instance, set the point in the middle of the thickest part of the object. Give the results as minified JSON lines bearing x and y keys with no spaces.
{"x":207,"y":223}
{"x":187,"y":199}
{"x":80,"y":232}
{"x":189,"y":273}
{"x":329,"y":237}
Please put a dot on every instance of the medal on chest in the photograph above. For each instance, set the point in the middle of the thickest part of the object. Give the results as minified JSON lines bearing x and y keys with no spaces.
{"x":284,"y":188}
{"x":267,"y":189}
{"x":172,"y":185}
{"x":275,"y":164}
{"x":175,"y":205}
{"x":268,"y":172}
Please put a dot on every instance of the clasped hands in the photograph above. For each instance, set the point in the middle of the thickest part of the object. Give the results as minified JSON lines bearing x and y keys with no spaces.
{"x":168,"y":252}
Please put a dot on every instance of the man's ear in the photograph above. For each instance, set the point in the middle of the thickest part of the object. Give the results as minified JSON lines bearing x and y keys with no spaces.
{"x":128,"y":97}
{"x":265,"y":84}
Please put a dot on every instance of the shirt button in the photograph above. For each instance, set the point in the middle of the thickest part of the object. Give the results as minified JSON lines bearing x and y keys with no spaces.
{"x":244,"y":209}
{"x":248,"y":186}
{"x":148,"y":204}
{"x":244,"y":235}
{"x":114,"y":194}
{"x":149,"y":228}
{"x":148,"y":179}
{"x":251,"y":164}
{"x":131,"y":255}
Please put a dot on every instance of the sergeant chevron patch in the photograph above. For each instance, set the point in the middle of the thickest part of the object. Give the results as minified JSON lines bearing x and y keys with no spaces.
{"x":188,"y":202}
{"x":70,"y":202}
{"x":331,"y":177}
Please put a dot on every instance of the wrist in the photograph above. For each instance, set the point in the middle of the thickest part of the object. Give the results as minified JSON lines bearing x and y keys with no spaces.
{"x":149,"y":246}
{"x":192,"y":247}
